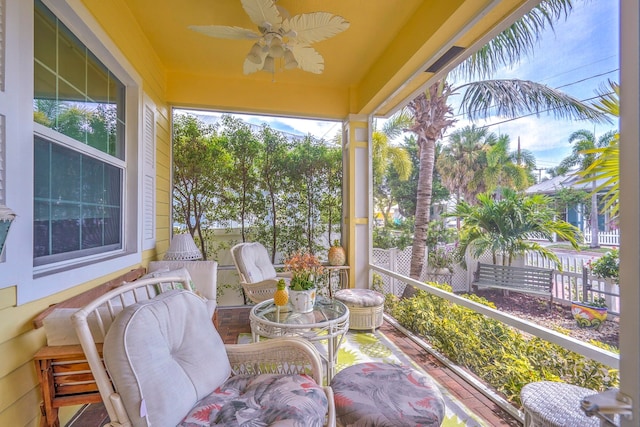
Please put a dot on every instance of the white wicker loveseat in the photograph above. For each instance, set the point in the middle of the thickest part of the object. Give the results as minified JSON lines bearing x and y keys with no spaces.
{"x":168,"y":366}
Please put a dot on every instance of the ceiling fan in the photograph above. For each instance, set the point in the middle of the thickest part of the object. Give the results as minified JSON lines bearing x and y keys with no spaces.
{"x":280,"y":36}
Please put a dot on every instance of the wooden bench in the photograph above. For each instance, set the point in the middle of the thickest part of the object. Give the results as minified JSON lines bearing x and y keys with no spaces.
{"x":63,"y":372}
{"x":529,"y":280}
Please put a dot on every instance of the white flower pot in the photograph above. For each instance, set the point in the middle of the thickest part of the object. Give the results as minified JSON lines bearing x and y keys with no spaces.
{"x":302,"y":301}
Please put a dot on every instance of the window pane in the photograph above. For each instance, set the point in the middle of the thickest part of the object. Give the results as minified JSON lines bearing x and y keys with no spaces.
{"x":65,"y":174}
{"x":45,"y":37}
{"x":74,"y":93}
{"x":72,"y":59}
{"x":77,"y":208}
{"x":65,"y":227}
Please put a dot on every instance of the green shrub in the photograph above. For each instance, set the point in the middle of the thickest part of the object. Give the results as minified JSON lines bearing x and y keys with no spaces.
{"x":501,"y":355}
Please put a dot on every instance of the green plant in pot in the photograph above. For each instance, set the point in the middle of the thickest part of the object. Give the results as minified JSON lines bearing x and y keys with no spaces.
{"x":607,"y":266}
{"x":305,"y":268}
{"x":441,"y":259}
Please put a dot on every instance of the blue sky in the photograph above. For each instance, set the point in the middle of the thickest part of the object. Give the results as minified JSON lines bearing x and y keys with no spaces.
{"x":579,"y":56}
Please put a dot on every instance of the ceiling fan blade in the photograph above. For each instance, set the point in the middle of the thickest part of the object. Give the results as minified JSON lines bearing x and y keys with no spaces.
{"x":262,"y":11}
{"x":315,"y":27}
{"x":308,"y":59}
{"x":223,"y":32}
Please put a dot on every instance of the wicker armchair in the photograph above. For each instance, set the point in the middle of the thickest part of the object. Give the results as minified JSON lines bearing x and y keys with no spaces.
{"x":167,"y":362}
{"x":258,"y":277}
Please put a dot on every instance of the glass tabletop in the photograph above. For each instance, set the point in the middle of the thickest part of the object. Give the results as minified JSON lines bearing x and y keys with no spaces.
{"x":324,"y":310}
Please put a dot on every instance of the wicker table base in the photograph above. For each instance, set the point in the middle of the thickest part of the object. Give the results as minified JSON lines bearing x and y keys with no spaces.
{"x":553,"y":404}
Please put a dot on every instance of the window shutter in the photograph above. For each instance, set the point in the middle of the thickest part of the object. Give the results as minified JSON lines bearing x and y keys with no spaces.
{"x":149,"y":177}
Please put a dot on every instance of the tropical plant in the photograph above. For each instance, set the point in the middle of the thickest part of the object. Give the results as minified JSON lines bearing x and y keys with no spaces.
{"x":462,"y":161}
{"x":387,"y":156}
{"x":501,"y":355}
{"x":607,"y":266}
{"x":503,"y":227}
{"x":606,"y":167}
{"x":584,"y":141}
{"x":507,"y":169}
{"x":510,"y":98}
{"x":305,"y":268}
{"x":441,"y":257}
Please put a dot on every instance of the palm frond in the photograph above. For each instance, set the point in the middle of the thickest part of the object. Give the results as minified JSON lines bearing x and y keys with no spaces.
{"x":395,"y":126}
{"x":516,"y":41}
{"x":513,"y":97}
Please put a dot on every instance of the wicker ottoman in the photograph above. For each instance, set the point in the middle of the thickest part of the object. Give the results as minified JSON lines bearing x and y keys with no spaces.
{"x":553,"y":404}
{"x":386,"y":395}
{"x":365,"y":308}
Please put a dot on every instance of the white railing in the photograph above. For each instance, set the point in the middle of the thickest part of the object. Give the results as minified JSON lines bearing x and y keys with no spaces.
{"x":609,"y":238}
{"x":588,"y":350}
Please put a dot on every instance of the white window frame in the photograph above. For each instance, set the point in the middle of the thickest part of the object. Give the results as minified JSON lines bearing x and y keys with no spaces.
{"x":17,"y":269}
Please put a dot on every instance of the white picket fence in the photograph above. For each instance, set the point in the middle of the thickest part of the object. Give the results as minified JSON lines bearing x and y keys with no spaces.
{"x":609,"y":238}
{"x":569,"y":281}
{"x":568,"y":276}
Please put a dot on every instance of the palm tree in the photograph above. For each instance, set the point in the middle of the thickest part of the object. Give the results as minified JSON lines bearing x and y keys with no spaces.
{"x":386,"y":155}
{"x":583,"y":141}
{"x":606,"y":166}
{"x":509,"y":98}
{"x":505,"y":226}
{"x":462,"y":160}
{"x":507,"y":169}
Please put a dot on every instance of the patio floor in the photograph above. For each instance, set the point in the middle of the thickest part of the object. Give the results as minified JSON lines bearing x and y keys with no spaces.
{"x":233,"y":321}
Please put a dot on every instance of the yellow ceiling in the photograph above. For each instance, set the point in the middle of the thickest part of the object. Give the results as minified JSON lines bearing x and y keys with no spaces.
{"x":372,"y":67}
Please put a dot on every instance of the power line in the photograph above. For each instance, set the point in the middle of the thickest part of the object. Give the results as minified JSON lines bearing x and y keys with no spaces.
{"x":542,"y":111}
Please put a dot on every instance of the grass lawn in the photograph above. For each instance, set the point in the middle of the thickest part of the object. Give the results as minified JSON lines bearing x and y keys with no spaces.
{"x":583,"y":248}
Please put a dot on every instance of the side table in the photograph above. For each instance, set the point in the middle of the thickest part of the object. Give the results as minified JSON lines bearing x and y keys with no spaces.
{"x":327,"y":323}
{"x":338,"y":273}
{"x":65,"y":380}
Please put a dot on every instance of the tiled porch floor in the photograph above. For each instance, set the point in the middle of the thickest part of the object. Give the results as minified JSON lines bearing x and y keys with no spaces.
{"x":233,"y":321}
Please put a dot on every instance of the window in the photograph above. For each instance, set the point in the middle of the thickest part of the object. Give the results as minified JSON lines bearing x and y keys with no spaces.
{"x":78,"y":168}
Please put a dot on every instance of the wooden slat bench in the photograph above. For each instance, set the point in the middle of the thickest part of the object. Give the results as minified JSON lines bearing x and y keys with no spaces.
{"x":63,"y":371}
{"x":529,"y":280}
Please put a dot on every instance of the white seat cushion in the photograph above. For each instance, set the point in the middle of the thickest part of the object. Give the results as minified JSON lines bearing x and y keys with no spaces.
{"x":164,"y":355}
{"x":254,"y":263}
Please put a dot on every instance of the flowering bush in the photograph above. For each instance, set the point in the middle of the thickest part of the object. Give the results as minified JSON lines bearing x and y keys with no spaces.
{"x":607,"y":266}
{"x":304,"y":268}
{"x":442,"y":257}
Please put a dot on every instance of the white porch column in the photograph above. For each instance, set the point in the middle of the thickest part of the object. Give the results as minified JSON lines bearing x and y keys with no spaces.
{"x":630,"y":206}
{"x":357,"y":197}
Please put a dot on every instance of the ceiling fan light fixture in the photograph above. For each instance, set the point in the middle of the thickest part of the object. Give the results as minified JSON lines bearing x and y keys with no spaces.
{"x":290,"y":60}
{"x":254,"y":54}
{"x":280,"y":36}
{"x":275,"y":48}
{"x":269,"y":65}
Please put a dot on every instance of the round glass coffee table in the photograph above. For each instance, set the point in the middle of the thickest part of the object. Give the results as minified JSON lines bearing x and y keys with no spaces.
{"x":327,"y":323}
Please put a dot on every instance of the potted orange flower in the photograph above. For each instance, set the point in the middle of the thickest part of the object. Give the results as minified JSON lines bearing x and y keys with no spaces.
{"x":305,"y":268}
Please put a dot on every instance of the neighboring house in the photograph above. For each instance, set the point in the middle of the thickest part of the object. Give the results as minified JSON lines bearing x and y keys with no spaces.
{"x":574,"y":214}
